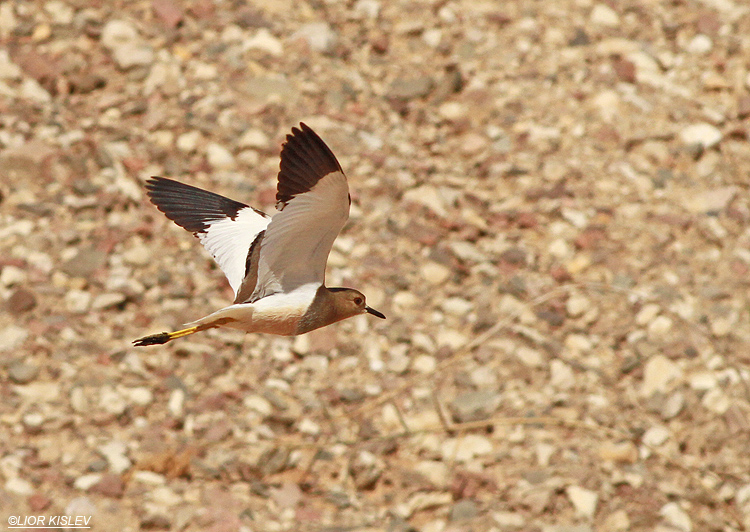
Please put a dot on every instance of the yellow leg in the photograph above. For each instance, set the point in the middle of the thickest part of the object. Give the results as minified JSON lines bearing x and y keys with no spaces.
{"x":163,"y":338}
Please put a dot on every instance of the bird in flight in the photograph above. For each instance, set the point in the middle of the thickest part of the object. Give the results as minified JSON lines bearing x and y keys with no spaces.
{"x":275,"y":265}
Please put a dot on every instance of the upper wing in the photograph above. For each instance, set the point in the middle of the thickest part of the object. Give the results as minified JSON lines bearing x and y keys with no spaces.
{"x":225,"y":227}
{"x":313,"y":200}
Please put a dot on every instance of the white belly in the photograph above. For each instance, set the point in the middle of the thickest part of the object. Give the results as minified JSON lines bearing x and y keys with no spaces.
{"x":274,"y":314}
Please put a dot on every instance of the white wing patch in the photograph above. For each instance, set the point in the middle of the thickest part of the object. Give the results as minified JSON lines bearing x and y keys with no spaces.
{"x":229,"y":241}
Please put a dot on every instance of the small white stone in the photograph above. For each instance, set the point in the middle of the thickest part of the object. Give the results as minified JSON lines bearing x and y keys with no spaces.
{"x":264,"y":41}
{"x":659,"y":327}
{"x":60,"y":12}
{"x":114,"y":453}
{"x":434,"y":273}
{"x":647,"y":314}
{"x":465,"y":449}
{"x":452,"y":111}
{"x":138,"y":255}
{"x":577,"y":305}
{"x":659,"y":374}
{"x":188,"y":142}
{"x":19,"y":486}
{"x":219,"y":157}
{"x":133,"y":54}
{"x":258,"y":404}
{"x":253,"y":138}
{"x":451,"y":338}
{"x":703,"y":381}
{"x":716,"y":401}
{"x":118,"y":32}
{"x":33,"y":420}
{"x":77,"y":301}
{"x":508,"y":520}
{"x":12,"y":336}
{"x":603,"y":15}
{"x":111,"y":401}
{"x":676,"y":516}
{"x":139,"y":395}
{"x":434,"y":471}
{"x":456,"y":306}
{"x":86,"y":482}
{"x":655,"y":436}
{"x":529,"y":357}
{"x":424,"y":364}
{"x":702,"y":133}
{"x":319,"y":36}
{"x":583,"y":500}
{"x":700,"y":44}
{"x":561,"y":375}
{"x":308,"y":426}
{"x":176,"y":403}
{"x":12,"y":275}
{"x":31,"y":90}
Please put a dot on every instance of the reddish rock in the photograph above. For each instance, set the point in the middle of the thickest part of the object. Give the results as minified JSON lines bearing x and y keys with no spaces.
{"x":168,"y":12}
{"x":110,"y":485}
{"x":20,"y":301}
{"x":38,"y":502}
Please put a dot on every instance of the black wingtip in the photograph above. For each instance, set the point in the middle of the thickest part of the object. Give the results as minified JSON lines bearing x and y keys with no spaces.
{"x":154,"y":339}
{"x":305,"y":159}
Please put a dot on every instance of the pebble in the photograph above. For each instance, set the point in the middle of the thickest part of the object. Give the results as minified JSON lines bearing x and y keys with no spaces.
{"x":466,"y":448}
{"x":659,"y":374}
{"x":659,"y":327}
{"x":672,"y":406}
{"x":424,"y":364}
{"x":254,"y":138}
{"x":11,"y":275}
{"x":86,"y":482}
{"x":577,"y":305}
{"x":434,"y":471}
{"x":617,"y":521}
{"x":11,"y":337}
{"x":84,"y":263}
{"x":561,"y":375}
{"x":111,"y":401}
{"x":176,"y":403}
{"x":319,"y":36}
{"x":114,"y":453}
{"x":108,"y":300}
{"x":711,"y":201}
{"x":21,"y":300}
{"x":716,"y":401}
{"x":109,"y":485}
{"x":703,"y":134}
{"x":422,"y":501}
{"x":77,"y":301}
{"x":410,"y":88}
{"x":264,"y":41}
{"x":258,"y":404}
{"x":584,"y":501}
{"x":603,"y":15}
{"x":434,"y":273}
{"x":619,"y":452}
{"x":456,"y":306}
{"x":655,"y":436}
{"x":19,"y":486}
{"x":473,"y":406}
{"x":22,"y":373}
{"x":188,"y":142}
{"x":700,"y":44}
{"x":128,"y":50}
{"x":676,"y":517}
{"x":219,"y":157}
{"x":463,"y":510}
{"x":529,"y":357}
{"x":508,"y":520}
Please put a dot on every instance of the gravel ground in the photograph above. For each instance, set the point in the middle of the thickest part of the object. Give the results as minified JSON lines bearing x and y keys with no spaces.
{"x":550,"y":204}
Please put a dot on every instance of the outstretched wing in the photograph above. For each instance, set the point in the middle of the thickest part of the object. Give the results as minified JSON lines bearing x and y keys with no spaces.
{"x":313,"y":202}
{"x":226,"y":228}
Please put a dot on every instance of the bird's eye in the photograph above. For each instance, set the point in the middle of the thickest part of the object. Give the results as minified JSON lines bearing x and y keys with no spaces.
{"x":357,"y":301}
